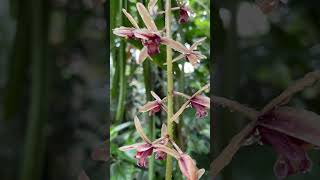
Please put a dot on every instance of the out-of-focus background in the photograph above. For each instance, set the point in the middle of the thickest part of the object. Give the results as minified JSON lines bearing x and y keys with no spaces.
{"x":257,"y":56}
{"x":53,"y":88}
{"x":131,"y":85}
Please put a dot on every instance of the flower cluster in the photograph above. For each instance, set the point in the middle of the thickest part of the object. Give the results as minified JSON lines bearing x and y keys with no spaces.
{"x":151,"y":39}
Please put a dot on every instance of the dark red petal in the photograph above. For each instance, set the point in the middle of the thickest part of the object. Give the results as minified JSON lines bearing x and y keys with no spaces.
{"x":200,"y":110}
{"x":282,"y":144}
{"x":142,"y":157}
{"x":184,"y":16}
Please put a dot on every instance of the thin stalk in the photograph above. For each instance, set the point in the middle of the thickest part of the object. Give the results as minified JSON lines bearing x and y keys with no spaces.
{"x":122,"y":83}
{"x":148,"y":87}
{"x":169,"y":85}
{"x":34,"y":148}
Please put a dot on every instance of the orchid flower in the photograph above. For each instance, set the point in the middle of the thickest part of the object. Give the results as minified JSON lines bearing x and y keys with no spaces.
{"x":145,"y":149}
{"x":154,"y":106}
{"x":149,"y":36}
{"x":190,"y":54}
{"x":152,"y":7}
{"x":199,"y":102}
{"x":187,"y":165}
{"x":291,"y":132}
{"x":184,"y":13}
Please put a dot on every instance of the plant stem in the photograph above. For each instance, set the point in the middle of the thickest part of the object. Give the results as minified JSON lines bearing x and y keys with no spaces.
{"x":148,"y":87}
{"x":34,"y":148}
{"x":169,"y":85}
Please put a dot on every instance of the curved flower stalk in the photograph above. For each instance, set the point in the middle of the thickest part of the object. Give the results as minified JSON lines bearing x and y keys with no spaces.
{"x":199,"y":102}
{"x":187,"y":165}
{"x":290,"y":131}
{"x":145,"y":149}
{"x":154,"y":106}
{"x":190,"y":54}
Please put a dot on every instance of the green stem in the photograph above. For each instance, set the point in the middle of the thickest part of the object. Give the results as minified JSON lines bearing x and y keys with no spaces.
{"x":169,"y":85}
{"x":32,"y":163}
{"x":148,"y":87}
{"x":123,"y":83}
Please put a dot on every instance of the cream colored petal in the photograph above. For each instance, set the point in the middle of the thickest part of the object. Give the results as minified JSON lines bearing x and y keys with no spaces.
{"x":180,"y":111}
{"x":193,"y":59}
{"x":174,"y":45}
{"x":131,"y":19}
{"x":200,"y":173}
{"x":143,"y":55}
{"x":202,"y":100}
{"x":163,"y":130}
{"x":178,"y":57}
{"x":130,"y":147}
{"x":201,"y":90}
{"x":197,"y":43}
{"x":181,"y":94}
{"x":151,"y":5}
{"x":147,"y":19}
{"x":167,"y":150}
{"x":147,"y":107}
{"x":140,"y":130}
{"x":156,"y":97}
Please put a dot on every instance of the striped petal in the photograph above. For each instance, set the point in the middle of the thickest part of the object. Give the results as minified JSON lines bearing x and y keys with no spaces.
{"x":149,"y":106}
{"x":142,"y":55}
{"x":140,"y":130}
{"x":156,"y":97}
{"x":130,"y":147}
{"x":174,"y":45}
{"x":131,"y":19}
{"x":197,"y":43}
{"x":147,"y":19}
{"x":202,"y":100}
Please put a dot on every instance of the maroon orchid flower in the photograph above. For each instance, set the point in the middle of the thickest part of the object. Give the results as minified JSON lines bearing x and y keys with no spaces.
{"x":149,"y":36}
{"x":291,"y":132}
{"x":184,"y":13}
{"x":145,"y":149}
{"x":154,"y":106}
{"x":199,"y":102}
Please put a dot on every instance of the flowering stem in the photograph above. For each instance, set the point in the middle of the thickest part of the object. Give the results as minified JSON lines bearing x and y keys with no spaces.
{"x":169,"y":85}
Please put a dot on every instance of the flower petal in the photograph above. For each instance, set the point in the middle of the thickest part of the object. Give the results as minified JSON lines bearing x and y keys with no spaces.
{"x":197,"y":43}
{"x":151,"y":6}
{"x":201,"y":90}
{"x":180,"y":111}
{"x":143,"y":55}
{"x":156,"y":97}
{"x":149,"y":106}
{"x":124,"y":32}
{"x":188,"y":167}
{"x":193,"y":59}
{"x":174,"y":45}
{"x":164,"y":130}
{"x":298,"y":123}
{"x":147,"y":19}
{"x":140,"y":130}
{"x":171,"y":152}
{"x":202,"y":100}
{"x":282,"y":144}
{"x":130,"y":147}
{"x":200,"y":172}
{"x":131,"y":19}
